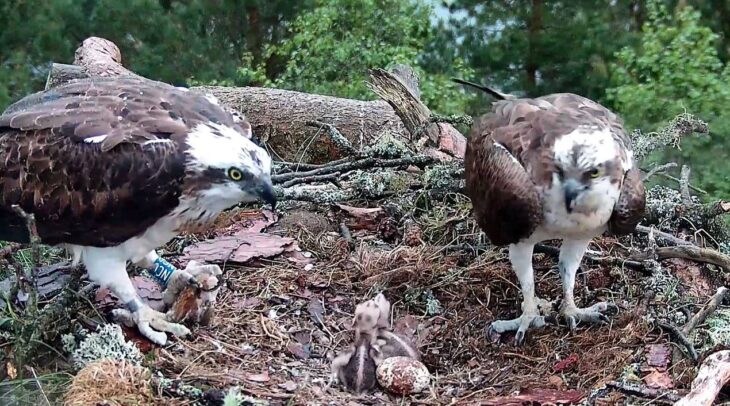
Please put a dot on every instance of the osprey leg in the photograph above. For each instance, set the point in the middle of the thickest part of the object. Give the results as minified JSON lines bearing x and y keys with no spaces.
{"x":521,"y":257}
{"x":111,"y":272}
{"x":571,"y":254}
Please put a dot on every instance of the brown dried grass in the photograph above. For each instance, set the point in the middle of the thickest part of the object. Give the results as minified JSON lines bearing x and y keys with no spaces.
{"x":111,"y":382}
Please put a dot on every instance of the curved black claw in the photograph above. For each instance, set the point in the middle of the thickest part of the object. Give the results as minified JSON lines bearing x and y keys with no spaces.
{"x":193,"y":282}
{"x":520,"y":338}
{"x":493,"y":335}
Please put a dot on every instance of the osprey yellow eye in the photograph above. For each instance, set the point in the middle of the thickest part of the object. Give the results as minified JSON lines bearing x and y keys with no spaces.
{"x":593,"y":173}
{"x":235,"y":174}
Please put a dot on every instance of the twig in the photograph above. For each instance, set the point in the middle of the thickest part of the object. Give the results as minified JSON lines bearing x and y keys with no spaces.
{"x":681,"y":126}
{"x":29,"y":277}
{"x":363,"y":163}
{"x":311,"y":179}
{"x":676,"y":179}
{"x":337,"y":137}
{"x":641,"y":390}
{"x":609,"y":261}
{"x":707,"y":310}
{"x":684,"y":184}
{"x":301,"y":166}
{"x":454,"y":119}
{"x":657,"y":169}
{"x":662,"y":235}
{"x":712,"y":376}
{"x":690,"y":252}
{"x":682,"y":338}
{"x":40,"y":387}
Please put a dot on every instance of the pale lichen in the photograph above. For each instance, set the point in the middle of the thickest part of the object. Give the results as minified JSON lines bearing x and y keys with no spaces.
{"x":667,"y":210}
{"x":177,"y":388}
{"x":446,"y":176}
{"x":107,"y":342}
{"x":372,"y":185}
{"x":716,"y":331}
{"x":388,"y":146}
{"x":235,"y":398}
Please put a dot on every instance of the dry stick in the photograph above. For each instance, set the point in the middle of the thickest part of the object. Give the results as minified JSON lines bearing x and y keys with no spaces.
{"x":690,"y":252}
{"x":30,"y":276}
{"x":641,"y":390}
{"x":610,"y":261}
{"x":662,"y":235}
{"x":676,"y":179}
{"x":684,"y":184}
{"x":712,"y":376}
{"x":312,"y":179}
{"x":657,"y":169}
{"x":682,"y":334}
{"x":707,"y":310}
{"x":418,"y":160}
{"x":337,"y":137}
{"x":682,"y":338}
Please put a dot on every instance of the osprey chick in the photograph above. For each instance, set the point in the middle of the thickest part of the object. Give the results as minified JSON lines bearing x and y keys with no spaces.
{"x":554,"y":167}
{"x":113,"y":168}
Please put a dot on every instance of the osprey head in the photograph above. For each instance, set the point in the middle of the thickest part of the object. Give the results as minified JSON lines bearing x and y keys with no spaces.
{"x":230,"y":168}
{"x":589,"y":168}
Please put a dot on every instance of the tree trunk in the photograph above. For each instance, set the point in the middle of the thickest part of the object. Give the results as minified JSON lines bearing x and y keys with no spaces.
{"x":533,"y":32}
{"x":279,"y":118}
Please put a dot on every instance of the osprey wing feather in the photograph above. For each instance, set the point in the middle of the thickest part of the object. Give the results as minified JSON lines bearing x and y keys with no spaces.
{"x":98,"y":161}
{"x":112,"y":168}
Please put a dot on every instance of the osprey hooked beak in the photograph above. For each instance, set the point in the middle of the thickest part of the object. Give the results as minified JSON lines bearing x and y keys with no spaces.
{"x":265,"y":190}
{"x":572,"y":188}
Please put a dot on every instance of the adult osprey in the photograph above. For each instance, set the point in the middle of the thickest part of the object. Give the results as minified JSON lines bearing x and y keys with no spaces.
{"x":554,"y":167}
{"x":113,"y":168}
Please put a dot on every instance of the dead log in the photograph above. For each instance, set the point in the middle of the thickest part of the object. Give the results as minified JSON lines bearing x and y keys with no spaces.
{"x":280,"y":117}
{"x":712,"y":376}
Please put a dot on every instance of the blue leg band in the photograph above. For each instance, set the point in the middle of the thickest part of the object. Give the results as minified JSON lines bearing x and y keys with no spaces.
{"x":162,"y":271}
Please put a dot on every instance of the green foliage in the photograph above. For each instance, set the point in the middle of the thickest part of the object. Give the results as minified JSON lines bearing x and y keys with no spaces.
{"x":676,"y":68}
{"x":333,"y":46}
{"x":174,"y":41}
{"x":538,"y":47}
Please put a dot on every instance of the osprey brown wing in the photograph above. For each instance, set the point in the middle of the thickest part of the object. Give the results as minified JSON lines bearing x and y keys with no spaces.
{"x":504,"y":197}
{"x":631,"y":205}
{"x":96,"y":191}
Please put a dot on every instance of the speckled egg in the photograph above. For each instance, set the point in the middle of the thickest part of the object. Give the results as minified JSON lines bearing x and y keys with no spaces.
{"x":403,"y":375}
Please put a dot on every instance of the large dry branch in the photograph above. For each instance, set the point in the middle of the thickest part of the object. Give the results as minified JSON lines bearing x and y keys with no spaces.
{"x":712,"y":376}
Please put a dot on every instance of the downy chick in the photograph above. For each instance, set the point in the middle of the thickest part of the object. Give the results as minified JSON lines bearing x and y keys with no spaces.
{"x":389,"y":344}
{"x":355,"y":369}
{"x":368,"y":318}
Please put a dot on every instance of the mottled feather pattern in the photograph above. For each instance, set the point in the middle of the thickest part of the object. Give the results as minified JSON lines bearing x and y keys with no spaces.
{"x":631,"y":204}
{"x":528,"y":129}
{"x":78,"y":157}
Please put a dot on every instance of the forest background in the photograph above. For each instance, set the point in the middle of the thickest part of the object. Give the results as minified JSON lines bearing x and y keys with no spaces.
{"x":647,"y":60}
